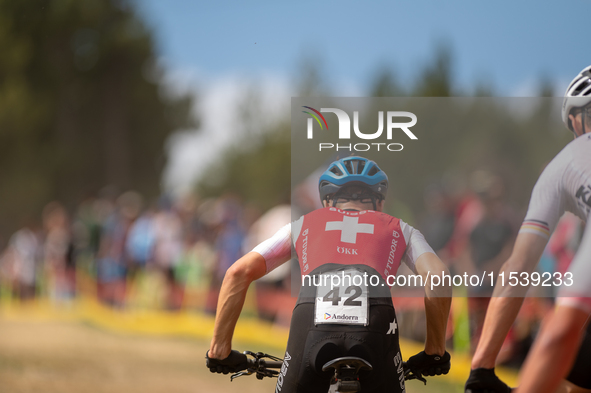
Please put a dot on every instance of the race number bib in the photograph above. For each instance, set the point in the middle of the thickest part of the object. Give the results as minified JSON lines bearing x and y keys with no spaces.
{"x":342,"y":300}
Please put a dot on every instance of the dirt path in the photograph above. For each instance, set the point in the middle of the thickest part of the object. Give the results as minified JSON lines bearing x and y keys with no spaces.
{"x":64,"y":357}
{"x":73,"y":357}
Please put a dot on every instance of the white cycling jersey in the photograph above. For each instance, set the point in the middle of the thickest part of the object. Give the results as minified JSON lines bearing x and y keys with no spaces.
{"x":565,"y":185}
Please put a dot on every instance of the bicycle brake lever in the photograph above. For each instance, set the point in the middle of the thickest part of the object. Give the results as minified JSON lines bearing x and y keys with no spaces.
{"x":410,"y":374}
{"x":261,"y":355}
{"x":421,"y":378}
{"x":258,"y":367}
{"x":267,"y":373}
{"x":239,"y":374}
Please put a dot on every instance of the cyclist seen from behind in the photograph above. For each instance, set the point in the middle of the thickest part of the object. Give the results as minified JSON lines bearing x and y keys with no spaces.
{"x":350,"y":238}
{"x":564,"y":185}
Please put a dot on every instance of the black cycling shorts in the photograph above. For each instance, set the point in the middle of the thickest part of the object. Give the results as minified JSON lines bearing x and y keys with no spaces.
{"x":580,"y":373}
{"x":309,"y":347}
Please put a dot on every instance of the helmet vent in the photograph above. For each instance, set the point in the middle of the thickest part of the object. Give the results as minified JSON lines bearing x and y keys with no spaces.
{"x":355,"y":167}
{"x":361,"y":166}
{"x":349,"y":165}
{"x":582,"y":86}
{"x":372,"y":171}
{"x":336,"y":171}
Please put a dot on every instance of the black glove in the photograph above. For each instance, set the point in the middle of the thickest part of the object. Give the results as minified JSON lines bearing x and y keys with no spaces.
{"x":429,"y":365}
{"x":235,"y":362}
{"x":484,"y":380}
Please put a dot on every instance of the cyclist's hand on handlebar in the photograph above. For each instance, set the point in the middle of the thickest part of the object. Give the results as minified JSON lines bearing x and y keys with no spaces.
{"x":484,"y":380}
{"x":429,"y":365}
{"x":235,"y":362}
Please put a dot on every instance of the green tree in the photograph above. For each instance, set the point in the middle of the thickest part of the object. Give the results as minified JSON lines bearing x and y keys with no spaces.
{"x":81,"y":103}
{"x":436,"y":79}
{"x":385,"y":84}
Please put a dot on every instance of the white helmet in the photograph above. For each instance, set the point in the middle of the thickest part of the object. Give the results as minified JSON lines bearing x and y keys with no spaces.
{"x":577,"y":95}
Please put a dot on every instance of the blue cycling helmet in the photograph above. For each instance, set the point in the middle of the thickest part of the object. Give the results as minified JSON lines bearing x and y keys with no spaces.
{"x":353,"y":171}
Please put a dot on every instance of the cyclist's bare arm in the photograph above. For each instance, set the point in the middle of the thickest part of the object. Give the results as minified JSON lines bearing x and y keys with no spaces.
{"x":437,"y":303}
{"x":232,"y":294}
{"x":554,"y":351}
{"x":557,"y":344}
{"x":507,"y":300}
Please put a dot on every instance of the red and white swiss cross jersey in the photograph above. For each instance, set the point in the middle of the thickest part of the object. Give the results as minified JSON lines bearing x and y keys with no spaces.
{"x":331,"y":235}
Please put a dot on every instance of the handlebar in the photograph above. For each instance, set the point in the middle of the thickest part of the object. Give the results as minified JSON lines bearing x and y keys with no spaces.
{"x":265,"y":365}
{"x":410,"y":374}
{"x":262,"y":365}
{"x":268,"y":363}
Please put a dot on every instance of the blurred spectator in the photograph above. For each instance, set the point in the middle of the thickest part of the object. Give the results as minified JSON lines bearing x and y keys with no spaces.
{"x":195,"y":266}
{"x":489,"y":244}
{"x":60,"y":263}
{"x":140,"y":242}
{"x":228,"y":244}
{"x":438,"y":223}
{"x":272,"y":289}
{"x":88,"y":225}
{"x":468,"y":212}
{"x":168,"y":247}
{"x":19,"y":263}
{"x":111,"y":259}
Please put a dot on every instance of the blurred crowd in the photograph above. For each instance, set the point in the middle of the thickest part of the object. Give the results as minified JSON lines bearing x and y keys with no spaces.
{"x":173,"y":253}
{"x":126,"y":252}
{"x":472,"y":226}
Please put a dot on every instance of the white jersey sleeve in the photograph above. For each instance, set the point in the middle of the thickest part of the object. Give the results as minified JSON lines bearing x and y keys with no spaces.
{"x":564,"y":185}
{"x":546,"y":204}
{"x":416,"y":245}
{"x":277,"y":249}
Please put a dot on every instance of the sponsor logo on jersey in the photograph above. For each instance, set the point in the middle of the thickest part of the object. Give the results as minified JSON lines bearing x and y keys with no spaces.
{"x":391,"y":256}
{"x":399,"y":369}
{"x":393,"y":327}
{"x":305,"y":250}
{"x":347,"y":251}
{"x":395,"y":121}
{"x":584,"y":194}
{"x":326,"y":316}
{"x":343,"y":317}
{"x":283,"y":372}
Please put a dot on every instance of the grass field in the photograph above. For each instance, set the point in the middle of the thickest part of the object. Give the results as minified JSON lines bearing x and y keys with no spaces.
{"x":91,"y":349}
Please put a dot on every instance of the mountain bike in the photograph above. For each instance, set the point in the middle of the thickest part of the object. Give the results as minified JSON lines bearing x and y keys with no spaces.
{"x":346,"y":370}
